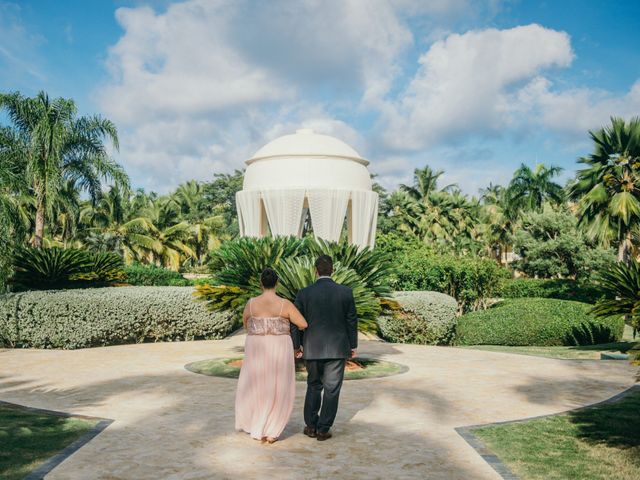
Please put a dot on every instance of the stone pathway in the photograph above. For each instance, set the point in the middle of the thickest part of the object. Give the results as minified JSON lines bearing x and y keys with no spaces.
{"x":173,"y":424}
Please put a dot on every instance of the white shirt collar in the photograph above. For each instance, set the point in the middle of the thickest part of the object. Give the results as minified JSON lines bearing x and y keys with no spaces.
{"x":324,"y":276}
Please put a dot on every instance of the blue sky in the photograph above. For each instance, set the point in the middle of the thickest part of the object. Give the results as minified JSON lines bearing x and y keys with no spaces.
{"x":471,"y":87}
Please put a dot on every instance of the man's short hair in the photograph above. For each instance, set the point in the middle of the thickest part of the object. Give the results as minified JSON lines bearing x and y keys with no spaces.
{"x":324,"y":265}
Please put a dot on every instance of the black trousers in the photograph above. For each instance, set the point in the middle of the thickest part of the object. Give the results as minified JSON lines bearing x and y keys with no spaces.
{"x":324,"y":380}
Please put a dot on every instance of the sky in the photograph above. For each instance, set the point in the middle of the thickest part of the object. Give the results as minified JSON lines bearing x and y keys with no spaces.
{"x":474,"y":88}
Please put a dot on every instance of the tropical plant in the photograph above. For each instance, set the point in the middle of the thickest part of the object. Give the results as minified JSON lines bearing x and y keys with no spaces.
{"x":608,"y":189}
{"x":530,"y":189}
{"x":621,"y":285}
{"x":43,"y":269}
{"x":57,"y":147}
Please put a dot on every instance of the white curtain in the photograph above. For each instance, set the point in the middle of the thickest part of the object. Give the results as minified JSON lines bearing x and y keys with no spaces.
{"x":364,"y":217}
{"x":328,"y":209}
{"x":249,"y":213}
{"x":284,"y":211}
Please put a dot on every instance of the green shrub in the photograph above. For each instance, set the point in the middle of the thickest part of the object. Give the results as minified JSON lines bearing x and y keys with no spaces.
{"x":53,"y":268}
{"x":472,"y":281}
{"x":426,"y":318}
{"x":239,"y":263}
{"x":154,"y":276}
{"x":537,"y":321}
{"x":562,"y":289}
{"x":107,"y":316}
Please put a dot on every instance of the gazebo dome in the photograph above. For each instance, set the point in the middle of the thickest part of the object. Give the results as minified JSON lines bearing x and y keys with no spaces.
{"x":307,"y":160}
{"x":308,"y":173}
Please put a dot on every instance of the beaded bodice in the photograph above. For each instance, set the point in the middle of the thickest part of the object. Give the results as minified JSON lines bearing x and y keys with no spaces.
{"x":267,"y":326}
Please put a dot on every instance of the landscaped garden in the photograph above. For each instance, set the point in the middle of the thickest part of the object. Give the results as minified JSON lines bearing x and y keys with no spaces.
{"x":89,"y":264}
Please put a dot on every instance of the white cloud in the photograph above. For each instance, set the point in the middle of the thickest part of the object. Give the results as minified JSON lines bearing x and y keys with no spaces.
{"x":19,"y":57}
{"x":464,"y":83}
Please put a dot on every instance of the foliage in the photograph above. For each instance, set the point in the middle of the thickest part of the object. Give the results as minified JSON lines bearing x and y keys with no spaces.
{"x":608,"y":189}
{"x":152,"y":275}
{"x":471,"y":281}
{"x":537,"y":321}
{"x":59,"y":149}
{"x":426,"y":318}
{"x":550,"y":245}
{"x":51,"y":268}
{"x":621,"y":285}
{"x":110,"y":316}
{"x":530,"y":189}
{"x":237,"y":266}
{"x":562,"y":289}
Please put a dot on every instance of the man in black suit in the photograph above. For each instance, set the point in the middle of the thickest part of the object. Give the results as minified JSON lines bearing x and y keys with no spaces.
{"x":329,"y":340}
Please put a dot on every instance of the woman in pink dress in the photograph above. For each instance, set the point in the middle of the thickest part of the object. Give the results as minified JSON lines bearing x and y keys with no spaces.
{"x":267,"y":383}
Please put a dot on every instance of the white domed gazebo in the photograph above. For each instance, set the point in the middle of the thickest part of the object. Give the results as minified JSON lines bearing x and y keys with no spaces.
{"x":308,"y":172}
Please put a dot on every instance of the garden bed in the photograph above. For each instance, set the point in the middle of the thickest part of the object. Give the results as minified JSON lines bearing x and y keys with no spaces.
{"x":357,"y":369}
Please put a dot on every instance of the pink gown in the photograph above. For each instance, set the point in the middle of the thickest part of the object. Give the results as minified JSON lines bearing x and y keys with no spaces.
{"x":266,"y":387}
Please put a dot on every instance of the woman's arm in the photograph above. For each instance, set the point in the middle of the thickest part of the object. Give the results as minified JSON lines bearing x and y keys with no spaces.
{"x":245,"y":315}
{"x":295,"y":316}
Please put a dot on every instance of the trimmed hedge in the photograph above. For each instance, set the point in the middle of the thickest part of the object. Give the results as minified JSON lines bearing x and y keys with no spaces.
{"x":152,"y":275}
{"x":472,"y":281}
{"x":562,"y":289}
{"x":426,"y":318}
{"x":539,"y":322}
{"x":108,"y":316}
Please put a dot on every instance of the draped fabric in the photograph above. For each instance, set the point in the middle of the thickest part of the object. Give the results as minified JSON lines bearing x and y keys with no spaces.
{"x":284,"y":211}
{"x":328,"y":209}
{"x":364,"y":213}
{"x":249,"y":213}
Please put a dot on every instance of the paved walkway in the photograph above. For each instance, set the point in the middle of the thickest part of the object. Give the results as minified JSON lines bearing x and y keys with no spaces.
{"x":173,"y":424}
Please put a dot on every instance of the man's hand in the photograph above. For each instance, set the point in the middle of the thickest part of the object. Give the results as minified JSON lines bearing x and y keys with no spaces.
{"x":354,"y":353}
{"x":298,"y":353}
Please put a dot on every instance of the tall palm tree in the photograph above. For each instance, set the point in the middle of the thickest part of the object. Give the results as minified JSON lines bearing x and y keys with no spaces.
{"x":59,"y":147}
{"x":530,"y":189}
{"x":608,"y":189}
{"x":425,"y":181}
{"x":501,"y":216}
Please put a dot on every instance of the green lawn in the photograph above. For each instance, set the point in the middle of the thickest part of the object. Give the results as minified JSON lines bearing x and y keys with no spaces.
{"x":27,"y":439}
{"x":595,"y":443}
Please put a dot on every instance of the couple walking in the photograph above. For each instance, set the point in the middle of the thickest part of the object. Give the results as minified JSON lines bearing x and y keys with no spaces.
{"x":321,"y":326}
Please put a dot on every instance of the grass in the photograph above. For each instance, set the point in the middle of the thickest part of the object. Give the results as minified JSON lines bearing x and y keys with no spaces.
{"x":582,"y":352}
{"x":220,"y":367}
{"x":27,"y":439}
{"x":601,"y":442}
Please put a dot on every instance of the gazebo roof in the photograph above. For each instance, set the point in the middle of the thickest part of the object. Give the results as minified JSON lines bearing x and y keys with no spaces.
{"x":306,"y":143}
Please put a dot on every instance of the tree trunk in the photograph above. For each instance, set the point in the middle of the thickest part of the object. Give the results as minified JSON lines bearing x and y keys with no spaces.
{"x":624,"y":250}
{"x":39,"y":232}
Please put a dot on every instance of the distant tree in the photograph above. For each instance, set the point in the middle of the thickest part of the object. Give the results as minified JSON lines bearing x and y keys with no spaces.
{"x":221,"y":196}
{"x":530,"y":189}
{"x":57,"y":146}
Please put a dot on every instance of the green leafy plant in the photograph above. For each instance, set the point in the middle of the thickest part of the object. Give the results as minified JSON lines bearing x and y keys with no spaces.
{"x":537,"y":321}
{"x":237,"y":266}
{"x":560,"y":288}
{"x":427,"y":318}
{"x":50,"y":268}
{"x":80,"y":318}
{"x":152,"y":275}
{"x":621,"y":285}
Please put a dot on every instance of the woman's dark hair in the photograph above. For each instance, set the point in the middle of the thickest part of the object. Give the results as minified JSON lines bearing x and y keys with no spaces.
{"x":324,"y":265}
{"x":268,"y":278}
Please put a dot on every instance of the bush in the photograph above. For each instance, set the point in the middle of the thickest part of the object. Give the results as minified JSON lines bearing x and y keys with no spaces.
{"x":154,"y":276}
{"x":537,"y":321}
{"x":426,"y":318}
{"x":52,"y":268}
{"x":107,"y":316}
{"x":471,"y":281}
{"x":562,"y":289}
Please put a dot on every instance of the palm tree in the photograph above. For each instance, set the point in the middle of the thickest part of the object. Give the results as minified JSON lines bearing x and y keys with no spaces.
{"x":425,"y":181}
{"x":608,"y":190}
{"x":530,"y":189}
{"x":500,"y":219}
{"x":59,"y":147}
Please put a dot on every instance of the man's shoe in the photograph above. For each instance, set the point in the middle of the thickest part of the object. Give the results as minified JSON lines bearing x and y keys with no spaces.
{"x":322,"y":436}
{"x":310,"y":432}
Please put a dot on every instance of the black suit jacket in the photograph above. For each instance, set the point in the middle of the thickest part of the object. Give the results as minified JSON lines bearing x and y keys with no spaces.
{"x":330,"y":311}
